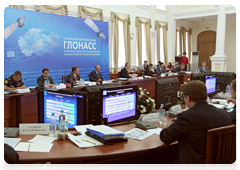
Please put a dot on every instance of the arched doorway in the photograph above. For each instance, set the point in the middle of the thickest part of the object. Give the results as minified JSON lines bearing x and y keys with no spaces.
{"x":206,"y":44}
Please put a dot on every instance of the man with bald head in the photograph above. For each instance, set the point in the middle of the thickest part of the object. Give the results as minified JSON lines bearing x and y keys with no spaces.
{"x":95,"y":75}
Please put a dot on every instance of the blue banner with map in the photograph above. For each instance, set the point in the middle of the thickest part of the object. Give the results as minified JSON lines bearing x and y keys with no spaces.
{"x":35,"y":40}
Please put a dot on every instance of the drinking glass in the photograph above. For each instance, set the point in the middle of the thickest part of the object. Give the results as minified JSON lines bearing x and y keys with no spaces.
{"x":165,"y":118}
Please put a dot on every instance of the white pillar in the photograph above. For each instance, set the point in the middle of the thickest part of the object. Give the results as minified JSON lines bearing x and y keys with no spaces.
{"x":171,"y":34}
{"x":219,"y":59}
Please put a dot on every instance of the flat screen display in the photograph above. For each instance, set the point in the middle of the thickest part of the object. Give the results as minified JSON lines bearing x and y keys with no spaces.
{"x":211,"y":83}
{"x":70,"y":104}
{"x":119,"y":103}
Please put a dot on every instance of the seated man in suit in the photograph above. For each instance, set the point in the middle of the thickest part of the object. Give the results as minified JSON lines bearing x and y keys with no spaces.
{"x":14,"y":82}
{"x":191,"y":126}
{"x":233,"y":100}
{"x":181,"y":68}
{"x":95,"y":75}
{"x":149,"y":71}
{"x":124,"y":71}
{"x":160,"y":69}
{"x":203,"y":68}
{"x":45,"y":78}
{"x":145,"y":65}
{"x":74,"y":76}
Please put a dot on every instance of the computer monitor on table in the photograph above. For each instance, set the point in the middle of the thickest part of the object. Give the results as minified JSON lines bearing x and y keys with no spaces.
{"x":211,"y":83}
{"x":166,"y":92}
{"x":198,"y":76}
{"x":73,"y":104}
{"x":119,"y":104}
{"x":223,"y":79}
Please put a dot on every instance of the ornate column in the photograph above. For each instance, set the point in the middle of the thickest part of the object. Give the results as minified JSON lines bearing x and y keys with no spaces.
{"x":219,"y":59}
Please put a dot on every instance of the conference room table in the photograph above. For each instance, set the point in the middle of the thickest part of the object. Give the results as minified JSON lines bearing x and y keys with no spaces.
{"x":23,"y":107}
{"x":131,"y":151}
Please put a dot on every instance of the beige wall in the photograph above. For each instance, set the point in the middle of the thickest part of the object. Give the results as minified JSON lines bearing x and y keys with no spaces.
{"x":230,"y":40}
{"x":230,"y":45}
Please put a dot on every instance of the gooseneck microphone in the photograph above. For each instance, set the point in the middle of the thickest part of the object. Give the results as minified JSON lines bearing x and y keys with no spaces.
{"x":27,"y":82}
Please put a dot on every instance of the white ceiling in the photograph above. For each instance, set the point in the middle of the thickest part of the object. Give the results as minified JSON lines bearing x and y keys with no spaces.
{"x":213,"y":18}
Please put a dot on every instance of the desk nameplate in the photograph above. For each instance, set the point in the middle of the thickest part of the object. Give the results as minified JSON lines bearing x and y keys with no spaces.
{"x":33,"y":129}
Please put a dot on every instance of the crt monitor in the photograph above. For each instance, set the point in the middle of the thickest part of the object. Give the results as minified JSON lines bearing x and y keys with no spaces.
{"x":73,"y":104}
{"x":119,"y":104}
{"x":211,"y":83}
{"x":223,"y":79}
{"x":166,"y":92}
{"x":198,"y":76}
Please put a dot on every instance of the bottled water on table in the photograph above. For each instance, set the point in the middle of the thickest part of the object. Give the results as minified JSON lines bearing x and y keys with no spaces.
{"x":61,"y":126}
{"x":52,"y":125}
{"x":160,"y":112}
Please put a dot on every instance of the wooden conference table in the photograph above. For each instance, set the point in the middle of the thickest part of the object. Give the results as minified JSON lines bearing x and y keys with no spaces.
{"x":23,"y":107}
{"x":131,"y":151}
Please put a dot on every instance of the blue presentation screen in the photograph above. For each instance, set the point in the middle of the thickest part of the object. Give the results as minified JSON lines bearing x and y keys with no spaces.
{"x":119,"y":104}
{"x":36,"y":40}
{"x":211,"y":83}
{"x":54,"y":102}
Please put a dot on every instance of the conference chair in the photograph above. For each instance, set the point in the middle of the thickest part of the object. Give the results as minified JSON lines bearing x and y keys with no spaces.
{"x":223,"y":139}
{"x":64,"y":79}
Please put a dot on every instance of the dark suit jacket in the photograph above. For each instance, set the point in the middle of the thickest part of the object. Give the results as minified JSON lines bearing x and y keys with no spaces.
{"x":145,"y":67}
{"x":190,"y":129}
{"x":158,"y":70}
{"x":41,"y":80}
{"x":148,"y":72}
{"x":201,"y":69}
{"x":71,"y":79}
{"x":233,"y":114}
{"x":178,"y":69}
{"x":124,"y":73}
{"x":10,"y":155}
{"x":94,"y":77}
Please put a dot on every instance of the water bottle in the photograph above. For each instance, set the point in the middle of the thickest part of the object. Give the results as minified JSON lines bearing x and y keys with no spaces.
{"x":170,"y":72}
{"x":61,"y":126}
{"x":228,"y":95}
{"x":52,"y":125}
{"x":160,"y":111}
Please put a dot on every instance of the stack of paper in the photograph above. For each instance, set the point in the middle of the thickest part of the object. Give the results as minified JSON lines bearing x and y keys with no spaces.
{"x":12,"y":141}
{"x":105,"y":132}
{"x":37,"y":144}
{"x":84,"y":141}
{"x":138,"y":134}
{"x":82,"y":128}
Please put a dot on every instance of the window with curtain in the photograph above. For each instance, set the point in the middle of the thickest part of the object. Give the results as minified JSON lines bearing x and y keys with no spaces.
{"x":54,"y":9}
{"x":121,"y":55}
{"x":144,"y":53}
{"x":161,"y":48}
{"x":178,"y":45}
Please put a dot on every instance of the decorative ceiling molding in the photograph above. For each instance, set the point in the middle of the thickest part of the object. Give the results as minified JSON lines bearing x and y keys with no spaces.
{"x":230,"y":10}
{"x":195,"y":14}
{"x":143,"y":11}
{"x":119,"y":8}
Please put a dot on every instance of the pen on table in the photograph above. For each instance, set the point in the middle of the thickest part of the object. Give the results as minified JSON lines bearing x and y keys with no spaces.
{"x":88,"y":141}
{"x":78,"y":141}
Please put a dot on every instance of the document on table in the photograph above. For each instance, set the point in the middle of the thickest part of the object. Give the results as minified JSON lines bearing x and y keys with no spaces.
{"x":82,"y":128}
{"x":137,"y":134}
{"x":33,"y":147}
{"x":12,"y":141}
{"x":221,"y":101}
{"x":84,"y":141}
{"x":42,"y":139}
{"x":155,"y":131}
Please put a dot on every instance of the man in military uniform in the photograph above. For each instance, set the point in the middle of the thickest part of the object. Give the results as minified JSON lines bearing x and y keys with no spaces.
{"x":14,"y":82}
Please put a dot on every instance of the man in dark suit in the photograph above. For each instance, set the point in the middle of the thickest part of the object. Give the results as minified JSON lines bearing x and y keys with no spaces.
{"x":124,"y":71}
{"x":145,"y":65}
{"x":95,"y":75}
{"x":233,"y":100}
{"x":45,"y":78}
{"x":191,"y":126}
{"x":203,"y":68}
{"x":160,"y":69}
{"x":149,"y":71}
{"x":74,"y":76}
{"x":181,"y":68}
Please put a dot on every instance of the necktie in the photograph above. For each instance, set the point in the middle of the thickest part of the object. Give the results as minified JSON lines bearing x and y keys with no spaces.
{"x":76,"y":77}
{"x":98,"y":75}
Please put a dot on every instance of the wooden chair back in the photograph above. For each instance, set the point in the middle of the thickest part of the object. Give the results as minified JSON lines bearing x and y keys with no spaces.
{"x":64,"y":79}
{"x":224,"y":139}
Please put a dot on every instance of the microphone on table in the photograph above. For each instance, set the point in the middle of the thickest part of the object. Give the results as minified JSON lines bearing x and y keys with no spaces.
{"x":112,"y":76}
{"x":27,"y":82}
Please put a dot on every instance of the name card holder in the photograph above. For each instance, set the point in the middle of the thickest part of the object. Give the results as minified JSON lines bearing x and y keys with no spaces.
{"x":34,"y":129}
